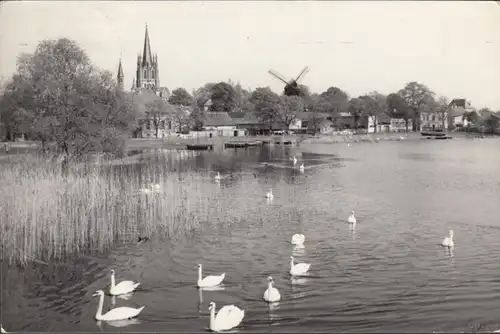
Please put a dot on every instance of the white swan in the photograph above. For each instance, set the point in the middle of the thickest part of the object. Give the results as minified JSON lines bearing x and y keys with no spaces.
{"x":299,"y":268}
{"x":209,"y":281}
{"x":352,"y":218}
{"x":298,"y":239}
{"x":271,"y":295}
{"x":217,"y":177}
{"x":227,"y":318}
{"x":448,"y":241}
{"x":121,"y":288}
{"x":301,"y":167}
{"x":270,"y":194}
{"x":119,"y":313}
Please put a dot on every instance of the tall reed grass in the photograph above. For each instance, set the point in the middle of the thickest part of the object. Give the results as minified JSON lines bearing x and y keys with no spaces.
{"x":45,"y":214}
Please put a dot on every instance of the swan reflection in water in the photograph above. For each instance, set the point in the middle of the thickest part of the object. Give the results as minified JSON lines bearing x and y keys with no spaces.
{"x":352,"y":231}
{"x":449,"y":252}
{"x":118,"y":323}
{"x":200,"y":295}
{"x":296,"y":287}
{"x":127,"y":296}
{"x":269,"y":201}
{"x":273,"y":307}
{"x":298,"y":250}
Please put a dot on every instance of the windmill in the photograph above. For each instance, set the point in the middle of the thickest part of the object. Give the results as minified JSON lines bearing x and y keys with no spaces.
{"x":291,"y":86}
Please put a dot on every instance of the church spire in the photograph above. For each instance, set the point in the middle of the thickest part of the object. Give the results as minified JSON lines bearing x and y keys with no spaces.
{"x":147,"y":58}
{"x":120,"y":75}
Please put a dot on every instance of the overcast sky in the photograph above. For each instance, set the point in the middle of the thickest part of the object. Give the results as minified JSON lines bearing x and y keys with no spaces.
{"x":453,"y":47}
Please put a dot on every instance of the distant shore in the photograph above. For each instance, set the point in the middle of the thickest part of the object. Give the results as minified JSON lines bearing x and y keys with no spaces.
{"x":174,"y":142}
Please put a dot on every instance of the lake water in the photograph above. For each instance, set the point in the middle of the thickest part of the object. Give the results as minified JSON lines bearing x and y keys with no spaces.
{"x":389,"y":275}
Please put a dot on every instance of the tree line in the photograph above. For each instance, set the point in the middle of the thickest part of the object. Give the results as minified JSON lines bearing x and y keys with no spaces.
{"x":57,"y":95}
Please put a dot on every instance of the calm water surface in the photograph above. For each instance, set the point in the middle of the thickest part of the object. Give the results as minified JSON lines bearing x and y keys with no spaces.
{"x":389,"y":275}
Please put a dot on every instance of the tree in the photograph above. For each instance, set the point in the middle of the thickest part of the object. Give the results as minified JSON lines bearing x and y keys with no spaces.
{"x":441,"y":108}
{"x":397,"y":107}
{"x":370,"y":108}
{"x":157,"y":111}
{"x":180,"y":96}
{"x":202,"y":95}
{"x":223,"y":97}
{"x":417,"y":97}
{"x":356,"y":108}
{"x":57,"y":95}
{"x":266,"y":104}
{"x":288,"y":109}
{"x":182,"y":119}
{"x":196,"y":119}
{"x":333,"y":101}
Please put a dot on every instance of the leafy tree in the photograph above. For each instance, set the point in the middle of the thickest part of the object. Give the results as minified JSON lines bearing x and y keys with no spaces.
{"x":333,"y":101}
{"x":157,"y":112}
{"x":196,"y":119}
{"x":180,"y":96}
{"x":356,"y":108}
{"x":182,"y":118}
{"x":223,"y":97}
{"x":202,"y":95}
{"x":59,"y":96}
{"x":370,"y":108}
{"x":397,"y":107}
{"x":266,"y":104}
{"x":418,"y":97}
{"x":441,"y":108}
{"x":288,"y":109}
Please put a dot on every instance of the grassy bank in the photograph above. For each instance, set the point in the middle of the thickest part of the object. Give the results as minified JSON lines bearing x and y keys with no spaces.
{"x":47,"y":215}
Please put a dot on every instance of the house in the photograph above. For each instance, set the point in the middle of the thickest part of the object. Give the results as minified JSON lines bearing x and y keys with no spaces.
{"x":221,"y":124}
{"x":207,"y":105}
{"x":434,"y":121}
{"x":249,"y":122}
{"x":457,"y":111}
{"x":172,"y":122}
{"x":346,"y":120}
{"x":398,"y":124}
{"x":387,"y":123}
{"x":313,"y":122}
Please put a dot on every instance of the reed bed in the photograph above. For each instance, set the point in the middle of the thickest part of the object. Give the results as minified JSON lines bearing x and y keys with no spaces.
{"x":46,"y":214}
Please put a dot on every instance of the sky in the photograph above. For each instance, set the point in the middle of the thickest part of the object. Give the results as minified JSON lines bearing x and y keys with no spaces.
{"x":358,"y":46}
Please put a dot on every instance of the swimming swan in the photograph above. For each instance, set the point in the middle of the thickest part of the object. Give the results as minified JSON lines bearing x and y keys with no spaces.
{"x":298,"y":239}
{"x":121,"y":288}
{"x":301,"y":167}
{"x":209,"y":281}
{"x":227,"y":318}
{"x":217,"y":177}
{"x":351,"y":219}
{"x":270,"y":194}
{"x":448,"y":241}
{"x":119,"y":313}
{"x":271,"y":295}
{"x":299,"y":268}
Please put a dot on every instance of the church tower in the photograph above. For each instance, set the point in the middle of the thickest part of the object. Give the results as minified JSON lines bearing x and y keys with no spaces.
{"x":147,"y":75}
{"x":120,"y":76}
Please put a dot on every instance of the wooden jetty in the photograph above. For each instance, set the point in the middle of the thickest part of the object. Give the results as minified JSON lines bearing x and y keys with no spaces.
{"x":433,"y":134}
{"x":199,"y":147}
{"x":242,"y":144}
{"x":439,"y":137}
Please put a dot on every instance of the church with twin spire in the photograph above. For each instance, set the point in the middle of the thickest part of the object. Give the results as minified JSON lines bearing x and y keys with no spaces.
{"x":147,"y":76}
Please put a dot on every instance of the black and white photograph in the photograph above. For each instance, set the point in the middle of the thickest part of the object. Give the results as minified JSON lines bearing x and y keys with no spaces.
{"x":249,"y":166}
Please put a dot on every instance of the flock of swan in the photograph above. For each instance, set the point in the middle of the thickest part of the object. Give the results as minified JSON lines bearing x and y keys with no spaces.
{"x":229,"y":316}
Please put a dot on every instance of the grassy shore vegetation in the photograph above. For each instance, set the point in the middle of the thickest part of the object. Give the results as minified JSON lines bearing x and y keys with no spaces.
{"x":46,"y":214}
